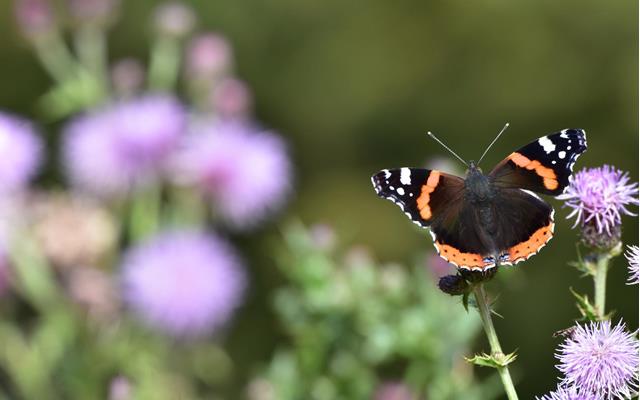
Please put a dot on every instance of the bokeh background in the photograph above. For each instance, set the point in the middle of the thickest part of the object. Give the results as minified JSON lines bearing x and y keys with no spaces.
{"x":354,"y":86}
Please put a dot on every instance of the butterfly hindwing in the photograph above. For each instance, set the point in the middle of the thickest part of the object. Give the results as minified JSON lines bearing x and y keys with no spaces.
{"x":544,"y":165}
{"x":424,"y":195}
{"x":524,"y":224}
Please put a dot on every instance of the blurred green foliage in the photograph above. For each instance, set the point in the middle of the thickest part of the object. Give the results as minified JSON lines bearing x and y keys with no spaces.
{"x":354,"y":324}
{"x":354,"y":86}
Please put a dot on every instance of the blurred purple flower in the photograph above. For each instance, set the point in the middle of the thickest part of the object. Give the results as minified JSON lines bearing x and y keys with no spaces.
{"x":185,"y":284}
{"x":567,"y":394}
{"x":246,"y":172}
{"x":110,"y":151}
{"x":633,"y":257}
{"x":600,"y":196}
{"x":120,"y":388}
{"x":438,"y":267}
{"x":20,"y":153}
{"x":127,"y":76}
{"x":393,"y":391}
{"x":600,"y":360}
{"x":231,"y":98}
{"x":174,"y":19}
{"x":208,"y":56}
{"x":35,"y":17}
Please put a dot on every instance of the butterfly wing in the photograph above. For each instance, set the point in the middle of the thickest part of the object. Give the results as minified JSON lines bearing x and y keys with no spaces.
{"x":436,"y":200}
{"x":424,"y":195}
{"x":542,"y":166}
{"x":523,"y":224}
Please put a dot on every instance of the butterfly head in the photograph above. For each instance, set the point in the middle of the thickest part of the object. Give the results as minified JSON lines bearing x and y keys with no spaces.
{"x":473,"y":168}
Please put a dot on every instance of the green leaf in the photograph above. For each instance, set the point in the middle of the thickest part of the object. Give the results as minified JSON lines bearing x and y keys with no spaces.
{"x":497,"y":360}
{"x":587,"y":310}
{"x":465,"y":301}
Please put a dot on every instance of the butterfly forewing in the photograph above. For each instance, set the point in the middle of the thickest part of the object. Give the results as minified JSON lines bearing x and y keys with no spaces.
{"x":422,"y":194}
{"x":544,"y":165}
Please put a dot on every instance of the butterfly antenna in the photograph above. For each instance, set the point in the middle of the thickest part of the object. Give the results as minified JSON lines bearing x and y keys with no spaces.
{"x":494,"y":140}
{"x":445,"y":146}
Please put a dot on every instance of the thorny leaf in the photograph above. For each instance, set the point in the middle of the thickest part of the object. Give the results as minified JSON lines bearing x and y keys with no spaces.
{"x":497,"y":360}
{"x":585,"y":307}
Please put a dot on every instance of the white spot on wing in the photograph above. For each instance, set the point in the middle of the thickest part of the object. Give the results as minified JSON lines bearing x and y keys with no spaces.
{"x":547,"y":144}
{"x":564,"y":134}
{"x":562,"y":154}
{"x":405,"y":176}
{"x":387,"y":174}
{"x":400,"y":191}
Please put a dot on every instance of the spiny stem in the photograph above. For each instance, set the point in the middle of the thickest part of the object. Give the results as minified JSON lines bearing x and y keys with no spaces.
{"x":496,"y":350}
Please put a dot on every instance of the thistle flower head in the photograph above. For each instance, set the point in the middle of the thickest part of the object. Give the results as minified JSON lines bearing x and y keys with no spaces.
{"x":112,"y":150}
{"x":600,"y":359}
{"x":55,"y":215}
{"x":183,"y":283}
{"x":633,"y":257}
{"x":208,"y":56}
{"x":393,"y":391}
{"x":174,"y":19}
{"x":35,"y":17}
{"x":570,"y":393}
{"x":231,"y":98}
{"x":244,"y":171}
{"x":455,"y":285}
{"x":599,"y":196}
{"x":20,"y":153}
{"x":127,"y":76}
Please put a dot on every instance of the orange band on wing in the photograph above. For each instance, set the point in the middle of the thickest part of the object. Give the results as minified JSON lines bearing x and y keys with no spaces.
{"x":460,"y":259}
{"x":529,"y":247}
{"x":425,"y":194}
{"x":549,"y":178}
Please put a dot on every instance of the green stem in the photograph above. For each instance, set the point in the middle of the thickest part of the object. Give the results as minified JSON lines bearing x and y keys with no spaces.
{"x":56,"y":58}
{"x":145,"y":209}
{"x":496,"y":350}
{"x":165,"y":63}
{"x":92,"y":51}
{"x":600,"y":285}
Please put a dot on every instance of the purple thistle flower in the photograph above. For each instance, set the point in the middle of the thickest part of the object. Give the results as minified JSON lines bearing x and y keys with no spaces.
{"x":209,"y":55}
{"x":174,"y":19}
{"x":35,"y":17}
{"x":110,"y":151}
{"x":600,"y":196}
{"x":20,"y":153}
{"x":633,"y":257}
{"x":231,"y":98}
{"x":183,"y":283}
{"x":246,"y":172}
{"x":393,"y":391}
{"x":571,"y":393}
{"x":601,"y":360}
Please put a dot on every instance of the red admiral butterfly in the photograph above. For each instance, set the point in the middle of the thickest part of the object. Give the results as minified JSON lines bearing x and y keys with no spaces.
{"x":481,"y":221}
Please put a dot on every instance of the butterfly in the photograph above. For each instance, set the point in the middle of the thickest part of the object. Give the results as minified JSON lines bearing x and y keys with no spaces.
{"x":480,"y":221}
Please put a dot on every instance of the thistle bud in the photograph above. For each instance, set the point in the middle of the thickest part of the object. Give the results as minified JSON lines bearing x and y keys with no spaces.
{"x":174,"y":19}
{"x":455,"y":285}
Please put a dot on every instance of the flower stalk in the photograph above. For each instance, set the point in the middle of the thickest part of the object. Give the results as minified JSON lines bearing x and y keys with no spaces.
{"x":496,"y":349}
{"x":600,"y":286}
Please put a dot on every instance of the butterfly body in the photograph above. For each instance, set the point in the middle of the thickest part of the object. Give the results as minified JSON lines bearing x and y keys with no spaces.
{"x":484,"y":220}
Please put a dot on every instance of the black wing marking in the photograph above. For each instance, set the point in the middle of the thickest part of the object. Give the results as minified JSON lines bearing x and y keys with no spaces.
{"x":544,"y":165}
{"x":424,"y":195}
